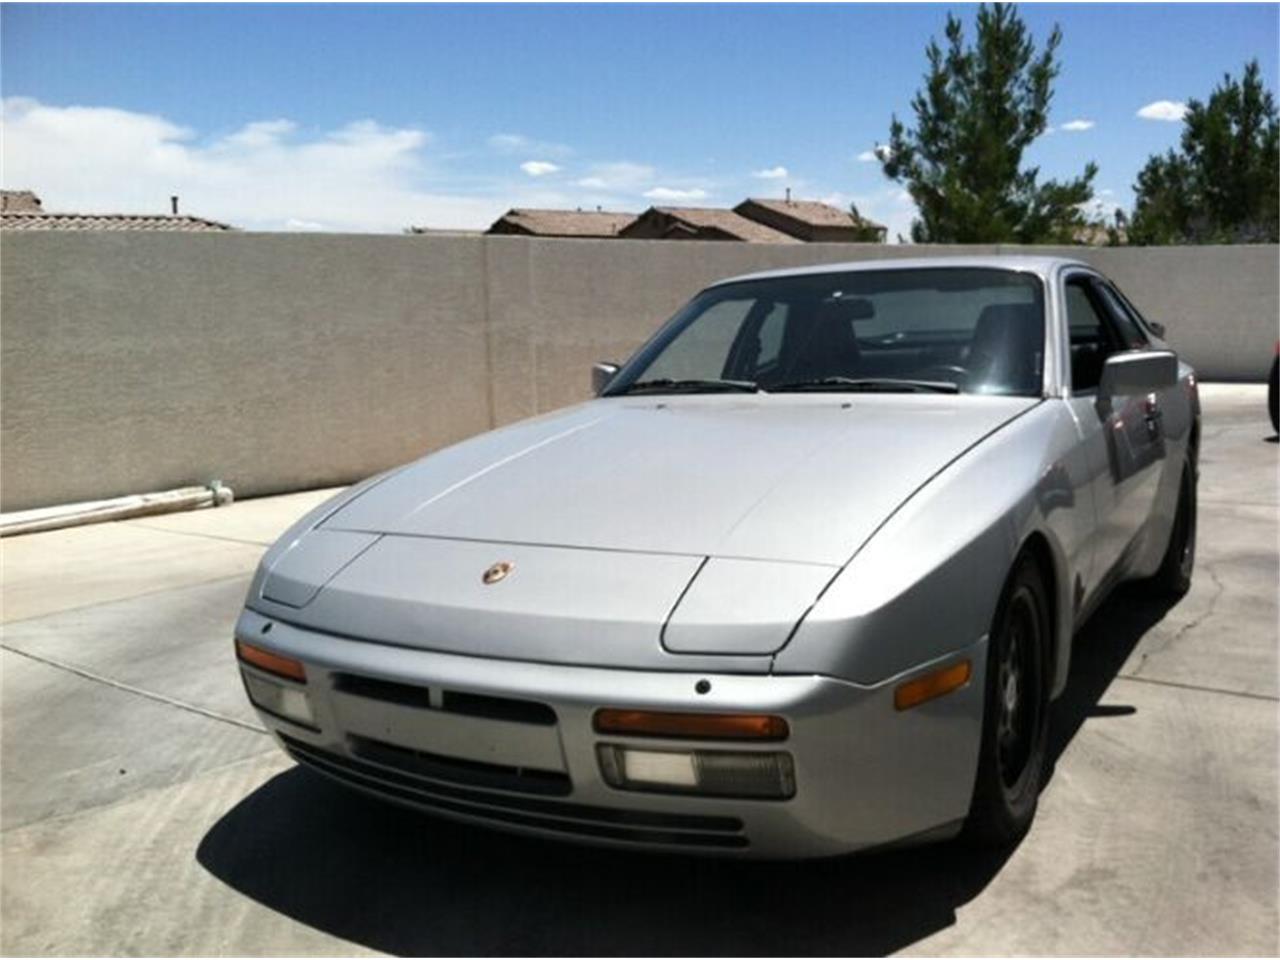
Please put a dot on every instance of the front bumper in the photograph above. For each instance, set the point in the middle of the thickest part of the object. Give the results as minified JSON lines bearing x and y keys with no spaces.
{"x":511,"y":744}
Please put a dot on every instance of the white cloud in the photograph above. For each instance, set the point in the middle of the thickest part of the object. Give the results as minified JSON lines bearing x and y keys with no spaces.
{"x":622,"y":176}
{"x":772,"y":173}
{"x":675,"y":194}
{"x":538,"y":168}
{"x":1170,"y":111}
{"x":361,"y":177}
{"x":1099,"y":209}
{"x":519,"y":143}
{"x":262,"y":133}
{"x":1075,"y":126}
{"x":880,"y":151}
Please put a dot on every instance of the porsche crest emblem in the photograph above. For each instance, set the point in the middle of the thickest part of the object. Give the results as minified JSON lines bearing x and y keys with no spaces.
{"x":497,"y":573}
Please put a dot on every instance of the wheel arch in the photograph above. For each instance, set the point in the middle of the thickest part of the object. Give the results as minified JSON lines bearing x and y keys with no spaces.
{"x":1053,"y":569}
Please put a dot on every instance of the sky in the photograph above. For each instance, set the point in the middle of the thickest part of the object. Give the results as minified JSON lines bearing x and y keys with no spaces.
{"x":379,"y":117}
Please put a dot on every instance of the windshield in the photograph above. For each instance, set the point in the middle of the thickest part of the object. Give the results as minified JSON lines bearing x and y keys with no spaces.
{"x":954,"y":330}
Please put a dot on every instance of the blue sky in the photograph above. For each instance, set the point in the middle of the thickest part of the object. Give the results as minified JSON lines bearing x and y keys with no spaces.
{"x":376,"y":117}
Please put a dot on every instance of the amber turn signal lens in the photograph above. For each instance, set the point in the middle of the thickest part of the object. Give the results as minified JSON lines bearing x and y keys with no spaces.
{"x":932,"y":685}
{"x":271,"y":662}
{"x":700,"y":726}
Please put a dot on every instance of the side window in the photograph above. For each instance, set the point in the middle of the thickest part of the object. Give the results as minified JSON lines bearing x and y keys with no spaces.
{"x":1135,"y":313}
{"x":1091,"y":341}
{"x":1130,"y":332}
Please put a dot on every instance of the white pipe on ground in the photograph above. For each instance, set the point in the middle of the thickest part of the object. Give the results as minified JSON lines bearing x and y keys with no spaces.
{"x":118,"y":508}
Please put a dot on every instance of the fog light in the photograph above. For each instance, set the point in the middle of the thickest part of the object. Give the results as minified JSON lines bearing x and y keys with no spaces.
{"x":280,"y":700}
{"x":712,"y":773}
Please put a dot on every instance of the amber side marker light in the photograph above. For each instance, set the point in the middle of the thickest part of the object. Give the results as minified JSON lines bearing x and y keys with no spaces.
{"x":700,"y":726}
{"x":285,"y":667}
{"x":932,"y":685}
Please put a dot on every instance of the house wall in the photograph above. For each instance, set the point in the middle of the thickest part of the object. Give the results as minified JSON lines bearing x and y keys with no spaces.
{"x":132,"y":362}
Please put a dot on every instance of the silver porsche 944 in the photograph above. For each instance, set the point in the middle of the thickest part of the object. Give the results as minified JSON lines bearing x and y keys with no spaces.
{"x":801,"y":579}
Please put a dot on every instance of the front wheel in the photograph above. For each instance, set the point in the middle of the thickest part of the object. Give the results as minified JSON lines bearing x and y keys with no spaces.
{"x":1015,"y":722}
{"x":1173,"y":579}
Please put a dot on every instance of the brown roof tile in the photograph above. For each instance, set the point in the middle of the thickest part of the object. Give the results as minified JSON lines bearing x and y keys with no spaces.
{"x":108,"y":221}
{"x":726,"y":221}
{"x":813,"y":212}
{"x":563,"y":223}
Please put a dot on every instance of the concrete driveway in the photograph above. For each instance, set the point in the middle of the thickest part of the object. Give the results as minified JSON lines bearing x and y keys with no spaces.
{"x":143,"y":810}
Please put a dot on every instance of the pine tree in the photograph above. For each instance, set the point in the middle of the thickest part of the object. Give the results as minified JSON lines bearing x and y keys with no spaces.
{"x":981,"y":107}
{"x":1222,"y":185}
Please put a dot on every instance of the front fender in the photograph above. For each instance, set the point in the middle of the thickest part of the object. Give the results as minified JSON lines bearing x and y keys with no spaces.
{"x":928,"y":581}
{"x":304,"y":525}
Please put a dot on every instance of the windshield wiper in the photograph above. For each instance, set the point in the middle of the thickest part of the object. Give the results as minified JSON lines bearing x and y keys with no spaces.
{"x":868,"y":385}
{"x":667,"y":384}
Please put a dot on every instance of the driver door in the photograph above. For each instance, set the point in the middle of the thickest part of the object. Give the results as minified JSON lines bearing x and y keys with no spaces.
{"x":1124,"y":433}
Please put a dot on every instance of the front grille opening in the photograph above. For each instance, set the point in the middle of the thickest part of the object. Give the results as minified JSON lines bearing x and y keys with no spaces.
{"x":455,"y":770}
{"x":689,"y":830}
{"x":387,"y":691}
{"x":499,"y":708}
{"x":478,"y":705}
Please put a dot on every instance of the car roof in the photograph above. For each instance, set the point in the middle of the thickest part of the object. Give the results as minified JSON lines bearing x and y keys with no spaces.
{"x":1042,"y":266}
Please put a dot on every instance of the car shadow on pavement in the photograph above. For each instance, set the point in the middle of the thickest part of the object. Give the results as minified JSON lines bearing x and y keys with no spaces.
{"x":404,"y":883}
{"x":1099,"y":651}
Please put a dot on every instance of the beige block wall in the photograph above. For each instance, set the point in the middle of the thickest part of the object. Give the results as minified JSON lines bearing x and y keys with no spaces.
{"x":135,"y":362}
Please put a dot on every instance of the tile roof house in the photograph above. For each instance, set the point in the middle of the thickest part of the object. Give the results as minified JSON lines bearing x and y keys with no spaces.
{"x":109,"y":222}
{"x":701,"y":223}
{"x":812,"y":221}
{"x":19,"y":201}
{"x":1100,"y":235}
{"x":561,"y":223}
{"x":22,"y":210}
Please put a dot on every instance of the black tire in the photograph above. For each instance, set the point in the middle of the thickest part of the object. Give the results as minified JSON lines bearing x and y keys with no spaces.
{"x":1173,"y":579}
{"x":1015,"y":722}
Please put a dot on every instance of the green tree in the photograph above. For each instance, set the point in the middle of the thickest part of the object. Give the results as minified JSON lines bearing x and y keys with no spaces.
{"x":980,"y":108}
{"x":1222,"y":185}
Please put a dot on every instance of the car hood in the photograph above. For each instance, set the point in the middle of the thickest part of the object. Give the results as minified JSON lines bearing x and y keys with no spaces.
{"x":790,"y":478}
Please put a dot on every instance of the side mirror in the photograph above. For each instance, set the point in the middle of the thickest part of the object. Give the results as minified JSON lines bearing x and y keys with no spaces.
{"x":1138,"y":371}
{"x":601,"y":374}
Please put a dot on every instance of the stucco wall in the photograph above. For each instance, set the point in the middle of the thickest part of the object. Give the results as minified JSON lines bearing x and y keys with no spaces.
{"x":135,"y":362}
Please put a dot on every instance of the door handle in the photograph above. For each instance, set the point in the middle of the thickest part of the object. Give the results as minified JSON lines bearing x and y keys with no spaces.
{"x":1152,"y":414}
